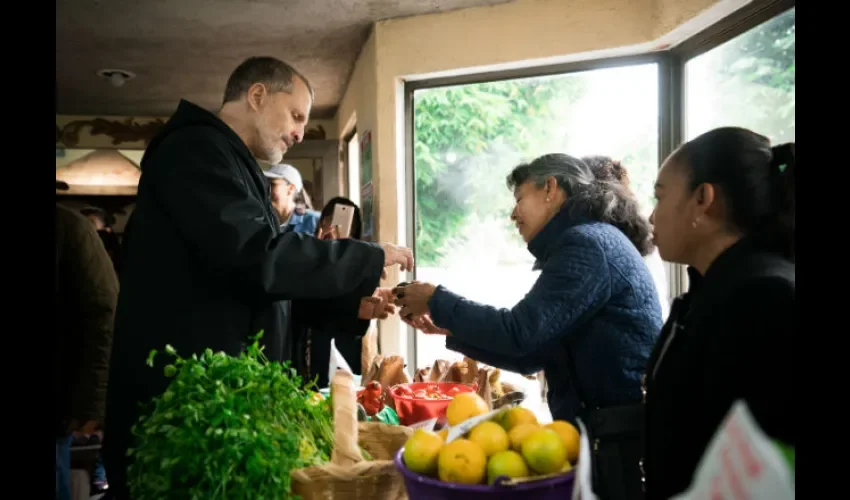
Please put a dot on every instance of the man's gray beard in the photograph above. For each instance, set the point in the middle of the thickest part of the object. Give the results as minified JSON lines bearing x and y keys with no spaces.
{"x":277,"y":157}
{"x":270,"y":156}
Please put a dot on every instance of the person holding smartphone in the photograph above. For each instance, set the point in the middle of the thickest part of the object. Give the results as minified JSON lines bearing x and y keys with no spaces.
{"x":340,"y":219}
{"x":287,"y":189}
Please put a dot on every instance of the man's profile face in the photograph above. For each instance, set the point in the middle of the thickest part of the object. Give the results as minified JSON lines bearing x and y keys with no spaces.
{"x":280,"y":120}
{"x":282,"y":193}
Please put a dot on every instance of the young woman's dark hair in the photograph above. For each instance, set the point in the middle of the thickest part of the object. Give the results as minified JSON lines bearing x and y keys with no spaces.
{"x":357,"y":219}
{"x":756,"y":182}
{"x":589,"y":197}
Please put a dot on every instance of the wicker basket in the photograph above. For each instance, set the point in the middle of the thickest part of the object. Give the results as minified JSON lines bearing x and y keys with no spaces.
{"x":348,"y":476}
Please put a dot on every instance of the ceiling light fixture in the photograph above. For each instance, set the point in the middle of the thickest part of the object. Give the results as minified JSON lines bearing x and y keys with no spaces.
{"x":117,"y":77}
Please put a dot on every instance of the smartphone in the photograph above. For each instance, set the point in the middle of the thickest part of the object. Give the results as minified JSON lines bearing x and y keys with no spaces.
{"x":343,"y":217}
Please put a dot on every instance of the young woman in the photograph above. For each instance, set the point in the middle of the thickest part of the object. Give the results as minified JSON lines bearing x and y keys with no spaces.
{"x":589,"y":321}
{"x":726,"y":209}
{"x":325,"y":230}
{"x":315,"y":341}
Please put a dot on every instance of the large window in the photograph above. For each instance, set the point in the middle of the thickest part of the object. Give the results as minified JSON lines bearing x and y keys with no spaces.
{"x":467,"y":138}
{"x":748,"y":81}
{"x":352,"y":161}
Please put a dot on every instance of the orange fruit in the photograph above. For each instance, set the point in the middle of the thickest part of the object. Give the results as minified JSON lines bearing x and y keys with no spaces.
{"x":421,"y":451}
{"x":465,"y":406}
{"x":506,"y":463}
{"x":462,"y":461}
{"x":569,"y":436}
{"x":518,"y":434}
{"x":516,"y":416}
{"x":543,"y":451}
{"x":490,"y":437}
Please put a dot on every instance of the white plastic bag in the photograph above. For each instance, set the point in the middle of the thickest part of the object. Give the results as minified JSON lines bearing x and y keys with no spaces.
{"x":337,"y":362}
{"x":583,"y":485}
{"x":741,"y":462}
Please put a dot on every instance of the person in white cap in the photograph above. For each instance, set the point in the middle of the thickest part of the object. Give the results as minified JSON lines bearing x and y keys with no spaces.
{"x":286,"y":184}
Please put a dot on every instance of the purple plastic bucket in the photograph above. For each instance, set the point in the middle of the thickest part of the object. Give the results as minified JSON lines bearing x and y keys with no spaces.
{"x":421,"y":487}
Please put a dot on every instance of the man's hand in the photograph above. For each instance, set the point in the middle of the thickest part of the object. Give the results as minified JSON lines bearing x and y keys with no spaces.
{"x":394,"y":254}
{"x":378,"y":306}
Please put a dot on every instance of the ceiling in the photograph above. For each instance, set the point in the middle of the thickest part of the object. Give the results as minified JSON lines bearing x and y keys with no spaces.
{"x":187,"y":48}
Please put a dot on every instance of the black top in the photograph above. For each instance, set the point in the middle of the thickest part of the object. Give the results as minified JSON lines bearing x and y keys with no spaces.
{"x":207,"y":266}
{"x":729,"y":338}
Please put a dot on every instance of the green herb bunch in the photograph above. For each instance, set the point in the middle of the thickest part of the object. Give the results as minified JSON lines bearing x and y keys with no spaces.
{"x":228,"y":427}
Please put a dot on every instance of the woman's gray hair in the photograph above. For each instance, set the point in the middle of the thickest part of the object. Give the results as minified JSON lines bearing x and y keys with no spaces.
{"x":571,"y":173}
{"x":588,"y":197}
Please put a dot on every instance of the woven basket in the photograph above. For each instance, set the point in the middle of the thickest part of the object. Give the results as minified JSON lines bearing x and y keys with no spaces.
{"x":348,"y":476}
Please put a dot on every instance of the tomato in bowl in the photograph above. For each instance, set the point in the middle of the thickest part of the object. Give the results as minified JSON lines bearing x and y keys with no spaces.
{"x":422,"y":401}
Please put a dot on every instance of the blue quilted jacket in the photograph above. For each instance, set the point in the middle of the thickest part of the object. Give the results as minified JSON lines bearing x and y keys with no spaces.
{"x":595,"y":294}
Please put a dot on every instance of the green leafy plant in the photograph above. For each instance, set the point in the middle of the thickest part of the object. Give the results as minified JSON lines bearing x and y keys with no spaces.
{"x":228,"y":427}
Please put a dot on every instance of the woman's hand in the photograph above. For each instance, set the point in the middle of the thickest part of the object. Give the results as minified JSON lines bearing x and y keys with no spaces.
{"x":378,"y":306}
{"x":426,"y":325}
{"x":413,"y":298}
{"x":331,"y":233}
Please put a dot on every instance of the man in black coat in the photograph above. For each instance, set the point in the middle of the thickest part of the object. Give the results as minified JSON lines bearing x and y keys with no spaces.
{"x":206,"y":264}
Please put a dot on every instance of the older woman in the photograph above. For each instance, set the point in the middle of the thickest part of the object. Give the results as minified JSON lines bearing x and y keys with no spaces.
{"x":589,"y":321}
{"x":726,"y":208}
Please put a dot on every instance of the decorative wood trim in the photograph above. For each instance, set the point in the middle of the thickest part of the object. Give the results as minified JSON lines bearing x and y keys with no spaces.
{"x":318,"y":133}
{"x":121,"y":131}
{"x":131,"y":130}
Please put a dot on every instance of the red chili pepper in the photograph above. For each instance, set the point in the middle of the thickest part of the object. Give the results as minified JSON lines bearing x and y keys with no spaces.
{"x":372,"y":406}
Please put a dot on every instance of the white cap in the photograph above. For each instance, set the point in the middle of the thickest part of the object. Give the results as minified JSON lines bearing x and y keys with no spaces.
{"x":286,"y":172}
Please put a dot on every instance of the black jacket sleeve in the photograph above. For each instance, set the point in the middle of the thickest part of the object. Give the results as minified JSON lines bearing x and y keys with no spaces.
{"x":208,"y":194}
{"x":338,"y":315}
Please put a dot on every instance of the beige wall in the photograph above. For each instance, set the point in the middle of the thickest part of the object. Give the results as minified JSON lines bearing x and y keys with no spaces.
{"x":523,"y":33}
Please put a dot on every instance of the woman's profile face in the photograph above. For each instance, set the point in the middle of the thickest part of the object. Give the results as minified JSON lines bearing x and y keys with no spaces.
{"x":531,"y":211}
{"x":674,"y":214}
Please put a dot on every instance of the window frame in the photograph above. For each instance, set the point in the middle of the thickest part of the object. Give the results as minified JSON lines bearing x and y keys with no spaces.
{"x":345,"y":148}
{"x":748,"y":17}
{"x":671,"y":88}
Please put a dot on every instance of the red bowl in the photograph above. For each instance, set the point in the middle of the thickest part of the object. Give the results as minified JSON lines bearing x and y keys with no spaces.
{"x":412,"y":410}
